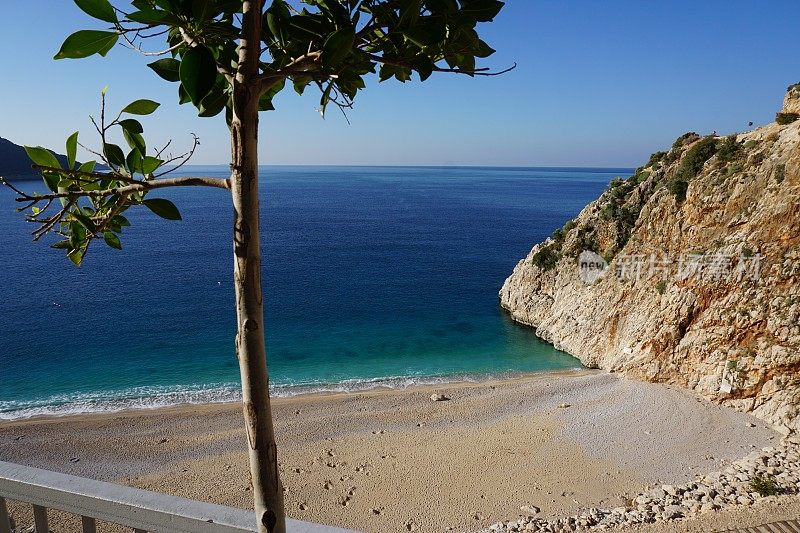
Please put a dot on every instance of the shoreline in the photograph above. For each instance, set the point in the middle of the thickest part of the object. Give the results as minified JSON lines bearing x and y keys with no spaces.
{"x":323,"y":389}
{"x":373,"y":461}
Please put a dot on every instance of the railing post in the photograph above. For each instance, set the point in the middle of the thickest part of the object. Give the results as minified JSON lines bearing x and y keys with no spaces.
{"x":40,"y":519}
{"x":5,"y":520}
{"x":89,"y":524}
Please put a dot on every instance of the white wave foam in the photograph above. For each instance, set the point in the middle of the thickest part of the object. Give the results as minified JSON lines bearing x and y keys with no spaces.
{"x":167,"y":396}
{"x":115,"y":401}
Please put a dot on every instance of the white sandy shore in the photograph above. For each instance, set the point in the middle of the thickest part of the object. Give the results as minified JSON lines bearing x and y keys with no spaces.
{"x":383,"y":460}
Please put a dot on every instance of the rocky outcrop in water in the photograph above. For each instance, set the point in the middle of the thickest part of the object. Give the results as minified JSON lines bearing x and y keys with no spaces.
{"x":694,"y":275}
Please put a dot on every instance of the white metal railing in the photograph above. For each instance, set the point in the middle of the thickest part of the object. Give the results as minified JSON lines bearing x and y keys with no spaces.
{"x":142,"y":510}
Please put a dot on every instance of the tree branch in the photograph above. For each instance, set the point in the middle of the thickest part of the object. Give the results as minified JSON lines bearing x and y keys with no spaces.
{"x":96,"y":176}
{"x":300,"y":65}
{"x":137,"y":186}
{"x":477,"y":72}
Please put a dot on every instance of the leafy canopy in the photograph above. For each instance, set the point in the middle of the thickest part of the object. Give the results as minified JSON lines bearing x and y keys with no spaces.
{"x":333,"y":45}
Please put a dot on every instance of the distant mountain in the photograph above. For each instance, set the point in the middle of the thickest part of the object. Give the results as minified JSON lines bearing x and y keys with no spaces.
{"x":14,"y":162}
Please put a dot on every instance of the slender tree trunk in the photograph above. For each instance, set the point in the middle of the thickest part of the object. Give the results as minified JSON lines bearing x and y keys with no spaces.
{"x":267,"y":489}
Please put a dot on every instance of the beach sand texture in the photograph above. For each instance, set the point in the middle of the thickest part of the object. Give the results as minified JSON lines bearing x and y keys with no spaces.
{"x":386,"y":461}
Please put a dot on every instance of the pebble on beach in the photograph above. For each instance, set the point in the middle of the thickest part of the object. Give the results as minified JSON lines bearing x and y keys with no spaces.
{"x":761,"y":474}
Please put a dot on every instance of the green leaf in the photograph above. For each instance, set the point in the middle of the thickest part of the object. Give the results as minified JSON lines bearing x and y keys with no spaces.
{"x":202,"y":10}
{"x":141,"y":107}
{"x":183,"y":97}
{"x":338,"y":46}
{"x":163,"y":208}
{"x":114,"y":155}
{"x":424,"y":66}
{"x":300,"y":83}
{"x":276,"y":18}
{"x":442,"y":6}
{"x":147,"y":16}
{"x":131,"y":125}
{"x":42,"y":156}
{"x":112,"y":240}
{"x":484,"y":50}
{"x":134,"y":161}
{"x":61,"y":245}
{"x":334,"y":9}
{"x":51,"y":180}
{"x":482,"y":10}
{"x":150,"y":164}
{"x":99,"y":9}
{"x":215,"y":101}
{"x":307,"y":26}
{"x":168,"y":68}
{"x":85,"y":221}
{"x":76,"y":256}
{"x":121,"y":220}
{"x":87,"y":167}
{"x":85,"y":43}
{"x":135,"y":141}
{"x":77,"y":234}
{"x":198,"y":72}
{"x":426,"y":34}
{"x":265,"y":102}
{"x":386,"y":72}
{"x":72,"y":149}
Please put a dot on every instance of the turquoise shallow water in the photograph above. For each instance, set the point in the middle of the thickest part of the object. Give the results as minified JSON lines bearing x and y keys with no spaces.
{"x":374,"y":276}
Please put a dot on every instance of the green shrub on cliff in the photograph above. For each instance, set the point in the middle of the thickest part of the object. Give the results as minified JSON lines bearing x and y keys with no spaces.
{"x":546,"y":258}
{"x":728,"y":149}
{"x":586,"y":240}
{"x":655,"y":158}
{"x":786,"y":118}
{"x":627,"y":217}
{"x":559,"y":235}
{"x":619,"y":192}
{"x":734,"y":168}
{"x":695,"y":158}
{"x":678,"y":188}
{"x":616,"y":182}
{"x":680,"y":141}
{"x":780,"y":173}
{"x":609,"y":211}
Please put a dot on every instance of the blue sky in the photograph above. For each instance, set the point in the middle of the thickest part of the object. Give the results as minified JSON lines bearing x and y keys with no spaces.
{"x":597,"y":84}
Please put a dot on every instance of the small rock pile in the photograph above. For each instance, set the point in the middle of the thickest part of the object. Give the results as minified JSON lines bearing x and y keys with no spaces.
{"x":771,"y":471}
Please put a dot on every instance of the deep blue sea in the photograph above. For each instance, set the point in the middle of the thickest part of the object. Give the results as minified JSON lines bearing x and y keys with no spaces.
{"x":373,"y":276}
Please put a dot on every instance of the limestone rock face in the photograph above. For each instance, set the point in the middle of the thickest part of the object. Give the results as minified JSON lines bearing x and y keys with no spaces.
{"x":702,"y":287}
{"x":791,"y":102}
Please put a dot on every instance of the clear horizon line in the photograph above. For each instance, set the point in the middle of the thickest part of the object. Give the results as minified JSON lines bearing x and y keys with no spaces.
{"x":614,"y":167}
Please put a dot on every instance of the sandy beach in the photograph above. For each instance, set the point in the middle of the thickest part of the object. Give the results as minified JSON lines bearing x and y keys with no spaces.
{"x":393,"y":460}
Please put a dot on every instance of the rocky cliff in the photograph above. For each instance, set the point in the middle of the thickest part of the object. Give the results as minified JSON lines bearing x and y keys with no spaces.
{"x":694,"y":275}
